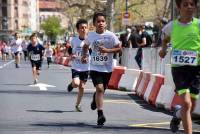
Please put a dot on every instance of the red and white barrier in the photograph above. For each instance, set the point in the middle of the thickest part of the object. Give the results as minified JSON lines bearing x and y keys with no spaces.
{"x":118,"y":71}
{"x":129,"y":79}
{"x":67,"y":61}
{"x":149,"y":87}
{"x":166,"y":94}
{"x":144,"y":83}
{"x":156,"y":88}
{"x":153,"y":88}
{"x":63,"y":60}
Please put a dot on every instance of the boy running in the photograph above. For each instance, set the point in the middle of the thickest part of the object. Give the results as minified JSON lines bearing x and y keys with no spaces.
{"x":184,"y":35}
{"x":103,"y":45}
{"x":16,"y":45}
{"x":79,"y":70}
{"x":35,"y":51}
{"x":48,"y":53}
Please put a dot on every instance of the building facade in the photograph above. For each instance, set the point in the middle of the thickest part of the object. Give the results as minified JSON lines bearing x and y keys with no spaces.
{"x":49,"y":8}
{"x":19,"y":15}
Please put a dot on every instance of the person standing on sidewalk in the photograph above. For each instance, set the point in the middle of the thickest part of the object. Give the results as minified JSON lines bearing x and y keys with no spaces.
{"x":35,"y":52}
{"x":184,"y":35}
{"x":103,"y":45}
{"x":79,"y":70}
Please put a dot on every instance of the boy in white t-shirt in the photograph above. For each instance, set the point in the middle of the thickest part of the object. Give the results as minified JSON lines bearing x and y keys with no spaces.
{"x":16,"y":45}
{"x":103,"y":45}
{"x":79,"y":70}
{"x":48,"y":53}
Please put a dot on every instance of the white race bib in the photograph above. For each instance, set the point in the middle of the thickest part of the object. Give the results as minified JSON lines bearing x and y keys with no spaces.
{"x":35,"y":57}
{"x":184,"y":57}
{"x":99,"y":58}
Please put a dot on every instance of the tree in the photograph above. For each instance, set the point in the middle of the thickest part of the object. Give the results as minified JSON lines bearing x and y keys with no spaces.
{"x":80,"y":9}
{"x":52,"y":27}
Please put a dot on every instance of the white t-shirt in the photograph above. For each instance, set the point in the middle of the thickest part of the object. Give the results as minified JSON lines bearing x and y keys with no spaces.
{"x":16,"y":45}
{"x":49,"y":52}
{"x":77,"y":46}
{"x":6,"y":49}
{"x":101,"y":62}
{"x":25,"y":43}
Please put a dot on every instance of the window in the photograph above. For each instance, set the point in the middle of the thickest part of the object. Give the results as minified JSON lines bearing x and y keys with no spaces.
{"x":4,"y":11}
{"x":25,"y":15}
{"x":25,"y":3}
{"x":16,"y":1}
{"x":4,"y":2}
{"x":16,"y":25}
{"x":16,"y":12}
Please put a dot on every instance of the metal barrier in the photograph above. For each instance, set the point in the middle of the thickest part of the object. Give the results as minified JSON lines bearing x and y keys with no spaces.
{"x":151,"y":61}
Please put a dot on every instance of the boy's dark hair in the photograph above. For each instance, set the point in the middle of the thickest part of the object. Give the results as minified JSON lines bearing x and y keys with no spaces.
{"x":97,"y":14}
{"x":16,"y":34}
{"x":178,"y":2}
{"x":81,"y":21}
{"x":33,"y":35}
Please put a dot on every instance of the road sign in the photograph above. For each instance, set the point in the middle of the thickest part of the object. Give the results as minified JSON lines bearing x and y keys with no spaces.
{"x":126,"y":18}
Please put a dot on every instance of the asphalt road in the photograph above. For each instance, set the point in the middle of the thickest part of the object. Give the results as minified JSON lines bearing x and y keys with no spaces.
{"x":47,"y":108}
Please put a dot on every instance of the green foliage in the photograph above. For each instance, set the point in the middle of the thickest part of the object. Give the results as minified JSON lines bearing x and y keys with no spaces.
{"x":52,"y":27}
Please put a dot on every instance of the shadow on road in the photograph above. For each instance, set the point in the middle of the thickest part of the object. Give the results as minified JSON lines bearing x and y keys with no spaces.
{"x":146,"y":105}
{"x":16,"y":84}
{"x":51,"y":111}
{"x":85,"y":125}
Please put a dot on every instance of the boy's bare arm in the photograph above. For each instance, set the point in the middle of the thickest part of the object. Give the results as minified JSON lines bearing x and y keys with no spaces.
{"x":165,"y":43}
{"x":84,"y":58}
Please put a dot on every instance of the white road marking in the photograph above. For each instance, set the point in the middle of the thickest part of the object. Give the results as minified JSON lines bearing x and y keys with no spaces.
{"x":42,"y":86}
{"x":4,"y":65}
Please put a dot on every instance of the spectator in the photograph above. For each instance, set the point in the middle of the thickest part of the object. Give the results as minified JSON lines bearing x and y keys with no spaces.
{"x":125,"y":37}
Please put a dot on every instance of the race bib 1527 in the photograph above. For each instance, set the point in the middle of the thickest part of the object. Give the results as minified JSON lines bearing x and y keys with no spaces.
{"x":184,"y":57}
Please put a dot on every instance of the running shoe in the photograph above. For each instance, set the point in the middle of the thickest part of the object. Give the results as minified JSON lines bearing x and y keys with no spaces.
{"x":175,"y":122}
{"x":16,"y":65}
{"x":35,"y":81}
{"x":101,"y":120}
{"x":78,"y":108}
{"x":93,"y":103}
{"x":69,"y":87}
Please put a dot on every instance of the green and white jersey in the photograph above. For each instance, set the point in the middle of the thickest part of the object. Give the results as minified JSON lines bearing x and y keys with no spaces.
{"x":101,"y":62}
{"x":185,"y":40}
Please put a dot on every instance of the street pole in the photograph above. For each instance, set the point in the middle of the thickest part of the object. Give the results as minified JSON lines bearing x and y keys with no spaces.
{"x":126,"y":10}
{"x":110,"y":14}
{"x":126,"y":6}
{"x":172,"y":10}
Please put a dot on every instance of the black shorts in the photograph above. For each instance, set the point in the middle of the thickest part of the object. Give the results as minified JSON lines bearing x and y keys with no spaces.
{"x":49,"y":59}
{"x":25,"y":53}
{"x":83,"y":76}
{"x":37,"y":64}
{"x":100,"y":78}
{"x":16,"y":53}
{"x":6,"y":53}
{"x":187,"y":79}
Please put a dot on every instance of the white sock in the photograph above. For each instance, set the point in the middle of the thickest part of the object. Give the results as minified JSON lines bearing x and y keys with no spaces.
{"x":178,"y":114}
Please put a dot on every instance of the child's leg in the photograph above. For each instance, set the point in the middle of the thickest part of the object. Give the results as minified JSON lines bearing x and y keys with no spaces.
{"x":186,"y":113}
